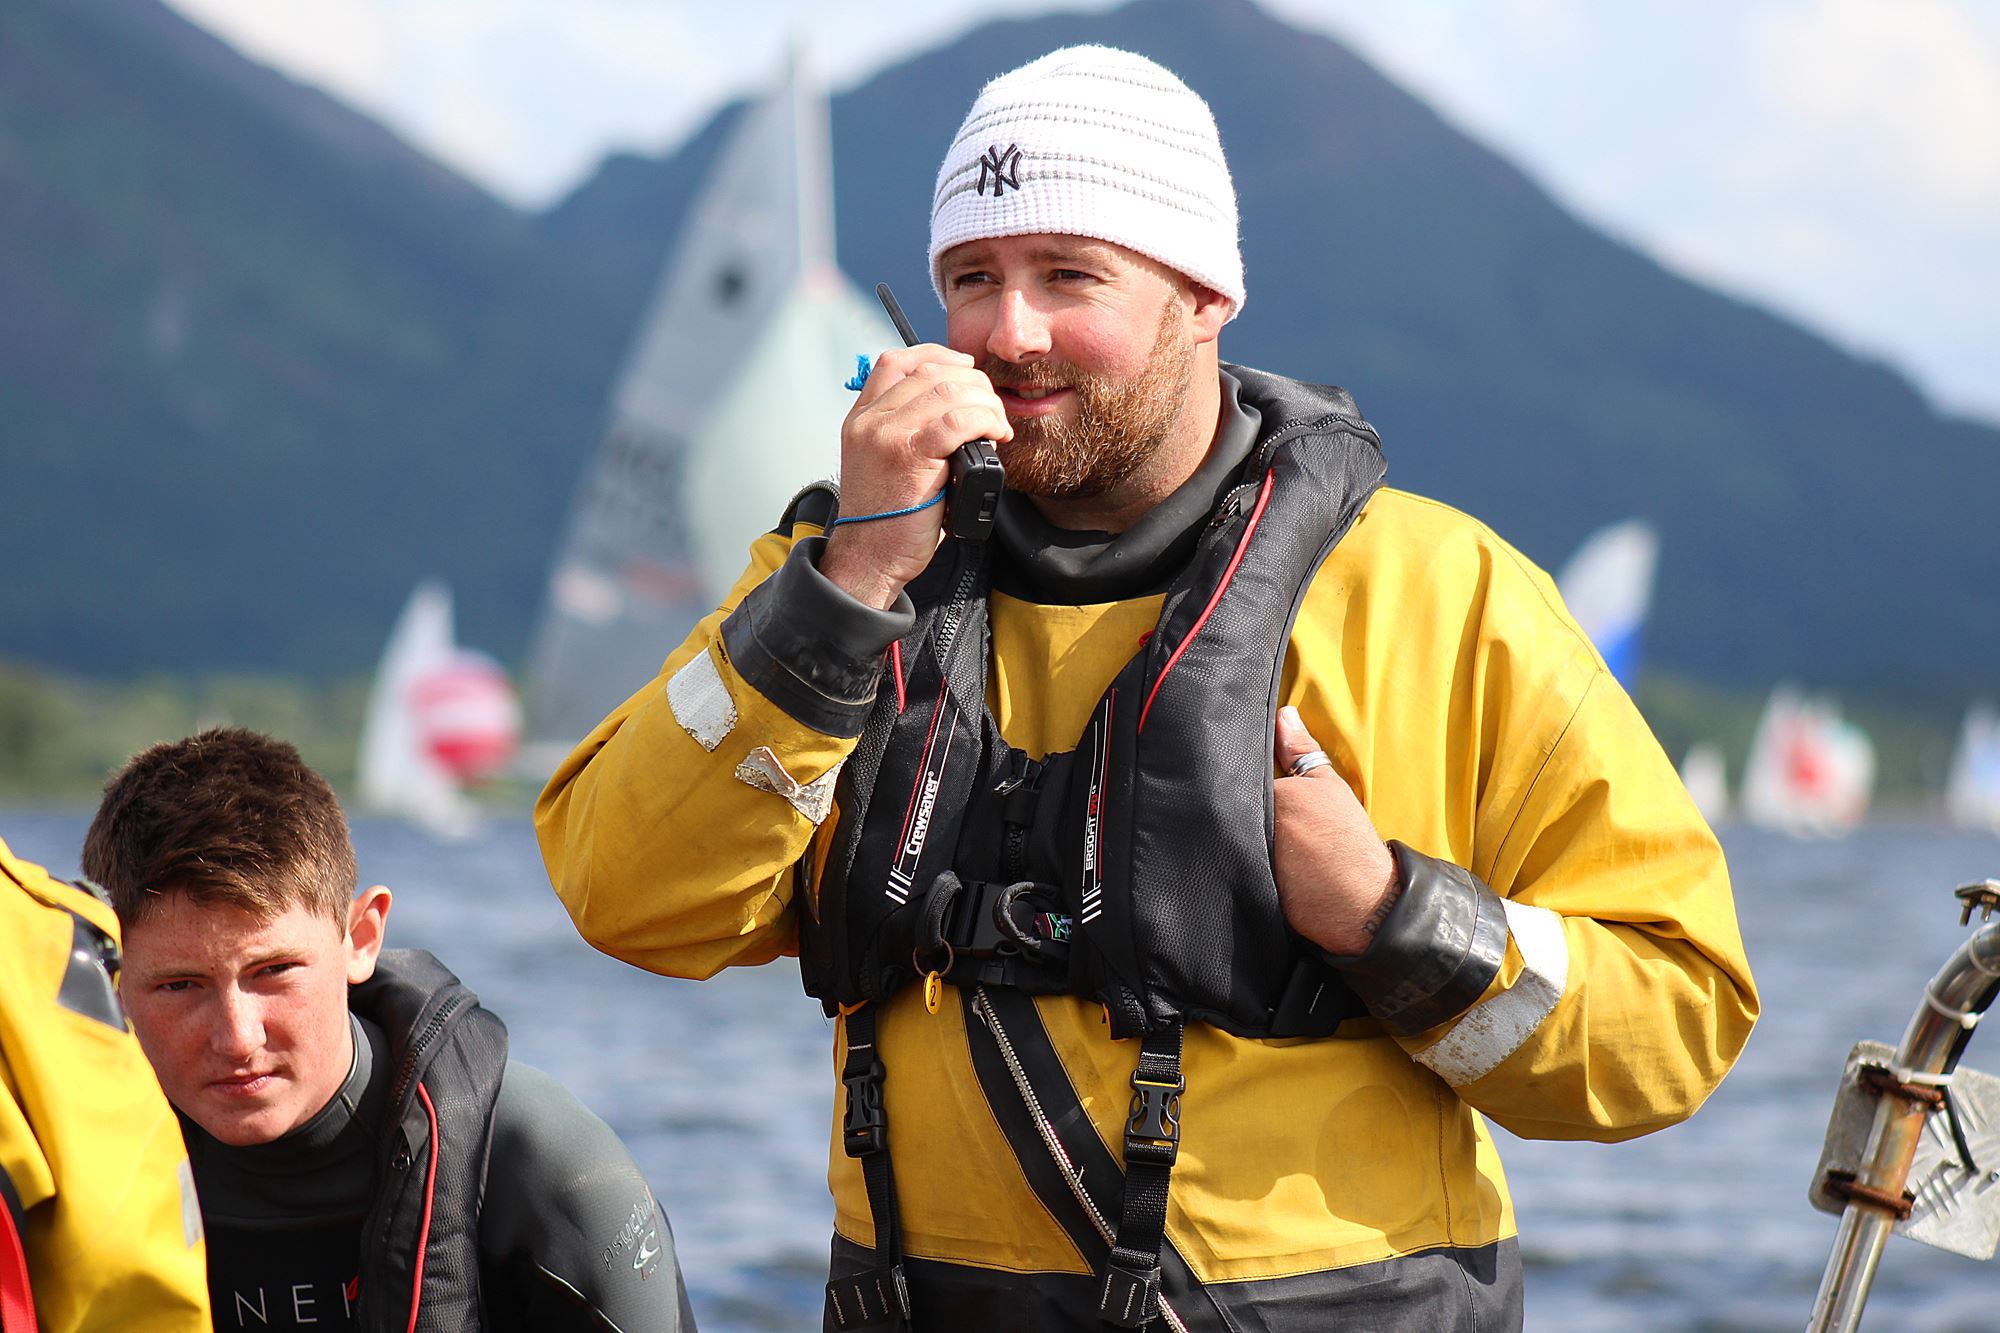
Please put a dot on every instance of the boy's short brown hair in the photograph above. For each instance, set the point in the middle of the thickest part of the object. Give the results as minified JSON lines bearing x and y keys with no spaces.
{"x":229,"y":816}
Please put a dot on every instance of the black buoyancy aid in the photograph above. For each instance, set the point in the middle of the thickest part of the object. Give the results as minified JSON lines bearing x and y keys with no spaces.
{"x":1134,"y":869}
{"x":420,"y":1243}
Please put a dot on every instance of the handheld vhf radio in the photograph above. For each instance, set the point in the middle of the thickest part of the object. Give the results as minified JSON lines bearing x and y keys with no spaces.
{"x":976,"y":474}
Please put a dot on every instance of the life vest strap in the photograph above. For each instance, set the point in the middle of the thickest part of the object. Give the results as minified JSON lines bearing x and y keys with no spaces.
{"x":878,"y":1297}
{"x":1130,"y":1297}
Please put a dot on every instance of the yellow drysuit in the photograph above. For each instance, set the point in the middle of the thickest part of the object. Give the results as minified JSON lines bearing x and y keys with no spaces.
{"x":1474,"y":721}
{"x":89,"y":1147}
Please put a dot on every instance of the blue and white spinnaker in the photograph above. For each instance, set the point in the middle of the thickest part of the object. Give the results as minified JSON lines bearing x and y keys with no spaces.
{"x":1608,"y":586}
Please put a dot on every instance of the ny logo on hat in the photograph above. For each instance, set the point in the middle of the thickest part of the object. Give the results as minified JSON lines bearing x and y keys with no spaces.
{"x":1003,"y":168}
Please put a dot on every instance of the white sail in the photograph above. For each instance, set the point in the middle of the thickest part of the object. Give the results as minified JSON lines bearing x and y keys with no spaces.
{"x":1706,"y":779}
{"x":437,"y":714}
{"x":1972,"y":792}
{"x":1809,"y":773}
{"x":397,"y":773}
{"x":731,"y":399}
{"x":1607,"y":584}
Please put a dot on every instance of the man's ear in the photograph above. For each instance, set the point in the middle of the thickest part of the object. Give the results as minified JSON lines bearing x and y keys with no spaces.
{"x":1209,"y":312}
{"x":367,"y":923}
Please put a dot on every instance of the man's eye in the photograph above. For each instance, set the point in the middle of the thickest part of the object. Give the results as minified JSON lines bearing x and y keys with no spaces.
{"x":174,"y":987}
{"x":970,"y":279}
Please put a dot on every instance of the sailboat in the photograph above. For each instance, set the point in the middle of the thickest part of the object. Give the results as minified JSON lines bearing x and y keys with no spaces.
{"x":1706,"y":780}
{"x":1972,"y":792}
{"x":730,"y":400}
{"x":439,"y":716}
{"x":1607,"y":584}
{"x":1809,"y":773}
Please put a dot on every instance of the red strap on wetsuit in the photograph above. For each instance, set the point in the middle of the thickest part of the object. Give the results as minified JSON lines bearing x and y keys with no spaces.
{"x":17,"y":1303}
{"x":430,"y":1187}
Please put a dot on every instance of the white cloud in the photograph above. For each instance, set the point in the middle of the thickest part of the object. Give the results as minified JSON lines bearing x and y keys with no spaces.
{"x":1914,"y":87}
{"x":520,"y":94}
{"x":348,"y":49}
{"x":1545,"y":29}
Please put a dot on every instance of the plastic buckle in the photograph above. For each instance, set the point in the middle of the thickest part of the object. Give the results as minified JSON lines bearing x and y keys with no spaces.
{"x":1131,"y":1295}
{"x":878,"y":1297}
{"x":1153,"y":1125}
{"x":969,"y":925}
{"x":864,"y":1126}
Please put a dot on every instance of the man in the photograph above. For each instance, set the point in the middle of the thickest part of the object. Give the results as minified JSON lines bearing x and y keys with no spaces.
{"x":366,"y":1155}
{"x":1134,"y":1032}
{"x":98,"y":1223}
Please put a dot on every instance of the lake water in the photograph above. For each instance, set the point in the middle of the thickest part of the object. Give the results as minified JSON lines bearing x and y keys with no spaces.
{"x":723,"y":1089}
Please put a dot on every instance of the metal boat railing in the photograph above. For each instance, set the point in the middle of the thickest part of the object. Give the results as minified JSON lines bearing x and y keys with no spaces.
{"x":1891,"y":1104}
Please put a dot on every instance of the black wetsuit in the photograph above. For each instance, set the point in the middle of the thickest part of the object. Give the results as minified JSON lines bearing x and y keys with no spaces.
{"x":570,"y":1236}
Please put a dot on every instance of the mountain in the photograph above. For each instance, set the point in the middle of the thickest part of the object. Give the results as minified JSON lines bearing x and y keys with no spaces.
{"x":261,"y":363}
{"x":276,"y":365}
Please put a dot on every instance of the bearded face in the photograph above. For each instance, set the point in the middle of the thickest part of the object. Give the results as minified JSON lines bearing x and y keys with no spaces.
{"x":1117,"y":424}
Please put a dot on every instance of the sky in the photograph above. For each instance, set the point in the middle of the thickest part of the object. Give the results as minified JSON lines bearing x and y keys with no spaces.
{"x":1835,"y":160}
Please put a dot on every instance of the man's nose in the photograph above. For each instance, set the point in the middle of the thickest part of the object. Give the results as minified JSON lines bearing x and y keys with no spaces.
{"x":238,"y":1030}
{"x":1020,"y":331}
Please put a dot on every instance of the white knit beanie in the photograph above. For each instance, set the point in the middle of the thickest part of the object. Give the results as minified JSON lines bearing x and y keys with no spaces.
{"x":1092,"y":141}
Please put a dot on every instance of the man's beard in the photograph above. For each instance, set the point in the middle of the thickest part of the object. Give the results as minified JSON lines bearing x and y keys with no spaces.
{"x":1118,"y":426}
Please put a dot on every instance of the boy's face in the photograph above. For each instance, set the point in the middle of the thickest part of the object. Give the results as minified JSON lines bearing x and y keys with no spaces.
{"x":245,"y":1017}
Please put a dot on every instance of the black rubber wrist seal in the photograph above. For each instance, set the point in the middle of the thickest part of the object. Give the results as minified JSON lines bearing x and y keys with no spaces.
{"x":1438,"y":950}
{"x":803,"y":643}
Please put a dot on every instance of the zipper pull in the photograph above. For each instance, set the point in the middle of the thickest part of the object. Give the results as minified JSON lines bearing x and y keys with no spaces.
{"x":1019,"y":769}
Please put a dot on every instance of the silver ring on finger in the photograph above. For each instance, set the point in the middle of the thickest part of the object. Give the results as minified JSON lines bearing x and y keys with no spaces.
{"x":1308,"y":761}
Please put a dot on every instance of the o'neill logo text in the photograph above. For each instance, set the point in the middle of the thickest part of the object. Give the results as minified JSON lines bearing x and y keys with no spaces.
{"x":922,"y":827}
{"x":1002,"y":167}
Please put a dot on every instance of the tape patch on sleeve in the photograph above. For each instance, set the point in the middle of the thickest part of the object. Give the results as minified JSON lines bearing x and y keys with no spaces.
{"x":1490,"y":1032}
{"x":701,"y":702}
{"x":761,"y":769}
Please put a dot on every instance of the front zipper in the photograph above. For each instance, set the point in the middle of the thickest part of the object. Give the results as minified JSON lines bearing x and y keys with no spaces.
{"x":424,"y":1038}
{"x":1046,"y":1128}
{"x":951,"y":617}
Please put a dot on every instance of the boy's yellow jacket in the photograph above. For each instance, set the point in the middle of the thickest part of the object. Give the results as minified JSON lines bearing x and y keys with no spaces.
{"x":88,"y":1145}
{"x":1474,"y":721}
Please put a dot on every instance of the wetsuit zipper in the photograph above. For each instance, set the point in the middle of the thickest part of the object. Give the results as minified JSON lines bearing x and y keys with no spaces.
{"x":424,"y":1038}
